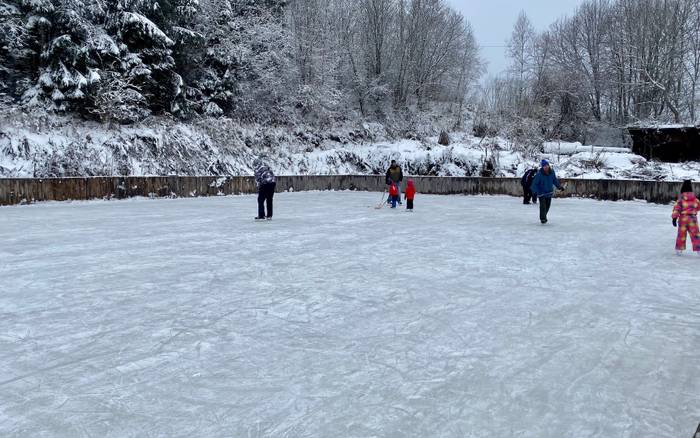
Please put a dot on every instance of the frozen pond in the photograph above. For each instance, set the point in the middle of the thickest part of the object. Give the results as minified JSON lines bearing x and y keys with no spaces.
{"x":467,"y":318}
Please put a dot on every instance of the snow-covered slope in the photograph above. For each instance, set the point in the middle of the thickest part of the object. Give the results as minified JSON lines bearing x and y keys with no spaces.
{"x":574,"y":160}
{"x":54,"y":146}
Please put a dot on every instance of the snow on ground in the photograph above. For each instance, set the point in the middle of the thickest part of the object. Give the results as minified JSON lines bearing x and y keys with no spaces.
{"x":558,"y":147}
{"x":184,"y":318}
{"x":60,"y":146}
{"x":573,"y":160}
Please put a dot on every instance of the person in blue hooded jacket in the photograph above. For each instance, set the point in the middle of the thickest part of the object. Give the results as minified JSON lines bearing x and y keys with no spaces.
{"x":543,"y":187}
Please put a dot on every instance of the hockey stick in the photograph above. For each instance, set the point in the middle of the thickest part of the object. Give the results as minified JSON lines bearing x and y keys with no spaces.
{"x":565,"y":188}
{"x":382,"y":203}
{"x":555,"y":194}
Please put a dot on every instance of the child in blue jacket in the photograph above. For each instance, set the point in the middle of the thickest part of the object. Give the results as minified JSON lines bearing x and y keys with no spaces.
{"x":543,"y":187}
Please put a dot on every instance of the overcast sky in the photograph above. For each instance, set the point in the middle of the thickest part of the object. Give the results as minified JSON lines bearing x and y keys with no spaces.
{"x":492,"y":21}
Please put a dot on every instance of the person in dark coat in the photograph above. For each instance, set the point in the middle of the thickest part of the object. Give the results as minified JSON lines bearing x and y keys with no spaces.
{"x":394,"y":175}
{"x":526,"y":182}
{"x":543,"y":187}
{"x":266,"y":181}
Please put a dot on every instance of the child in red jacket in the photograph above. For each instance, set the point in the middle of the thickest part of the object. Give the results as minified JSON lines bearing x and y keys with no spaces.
{"x":410,"y":195}
{"x":394,"y":195}
{"x":685,"y":217}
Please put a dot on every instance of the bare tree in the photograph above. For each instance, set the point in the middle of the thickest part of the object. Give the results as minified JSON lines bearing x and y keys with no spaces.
{"x":520,"y":49}
{"x":692,"y":61}
{"x":612,"y":61}
{"x":379,"y":14}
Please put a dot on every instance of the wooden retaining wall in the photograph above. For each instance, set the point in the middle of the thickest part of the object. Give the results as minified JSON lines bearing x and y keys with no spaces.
{"x":23,"y":190}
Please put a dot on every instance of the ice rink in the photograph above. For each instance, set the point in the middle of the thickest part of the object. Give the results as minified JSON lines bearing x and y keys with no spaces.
{"x":467,"y":318}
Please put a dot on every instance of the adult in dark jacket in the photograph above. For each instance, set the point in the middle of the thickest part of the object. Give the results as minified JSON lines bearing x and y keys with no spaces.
{"x":266,"y":182}
{"x":526,"y":182}
{"x":543,"y":187}
{"x":394,"y":175}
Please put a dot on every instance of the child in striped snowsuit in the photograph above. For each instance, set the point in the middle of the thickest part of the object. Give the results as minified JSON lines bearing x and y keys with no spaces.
{"x":685,"y":217}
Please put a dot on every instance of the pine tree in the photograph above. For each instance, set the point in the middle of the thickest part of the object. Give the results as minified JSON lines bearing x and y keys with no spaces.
{"x":56,"y":51}
{"x":11,"y":45}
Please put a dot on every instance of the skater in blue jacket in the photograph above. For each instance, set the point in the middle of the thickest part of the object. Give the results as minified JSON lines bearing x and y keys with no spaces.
{"x":543,"y":187}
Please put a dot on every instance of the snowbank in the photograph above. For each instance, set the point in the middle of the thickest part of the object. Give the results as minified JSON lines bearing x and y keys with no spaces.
{"x":575,"y":147}
{"x":55,"y":146}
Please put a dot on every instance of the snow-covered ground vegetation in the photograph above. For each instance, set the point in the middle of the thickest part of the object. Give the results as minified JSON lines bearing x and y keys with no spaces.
{"x":47,"y":146}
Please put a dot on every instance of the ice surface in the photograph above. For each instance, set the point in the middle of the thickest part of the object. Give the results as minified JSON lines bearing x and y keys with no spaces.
{"x":467,"y":318}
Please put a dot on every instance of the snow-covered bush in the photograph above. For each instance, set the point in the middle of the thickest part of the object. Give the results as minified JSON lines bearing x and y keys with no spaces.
{"x":117,"y":99}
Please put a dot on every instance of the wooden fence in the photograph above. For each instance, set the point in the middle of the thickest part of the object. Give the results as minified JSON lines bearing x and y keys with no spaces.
{"x":24,"y":190}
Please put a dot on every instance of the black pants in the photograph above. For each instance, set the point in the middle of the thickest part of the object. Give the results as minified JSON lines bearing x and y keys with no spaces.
{"x":528,"y":195}
{"x":265,"y":194}
{"x":409,"y":204}
{"x":545,"y":204}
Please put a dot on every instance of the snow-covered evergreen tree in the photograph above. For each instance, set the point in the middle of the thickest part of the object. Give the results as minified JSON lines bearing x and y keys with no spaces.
{"x":147,"y":59}
{"x":55,"y":51}
{"x":269,"y":61}
{"x":11,"y":46}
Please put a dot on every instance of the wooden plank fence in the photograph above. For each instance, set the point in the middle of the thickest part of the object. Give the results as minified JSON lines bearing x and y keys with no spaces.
{"x":27,"y":190}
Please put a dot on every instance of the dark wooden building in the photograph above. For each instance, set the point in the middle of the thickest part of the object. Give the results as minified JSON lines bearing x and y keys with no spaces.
{"x":672,"y":143}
